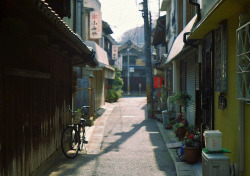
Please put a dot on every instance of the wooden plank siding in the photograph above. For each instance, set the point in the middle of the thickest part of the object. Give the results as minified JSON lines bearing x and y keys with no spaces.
{"x":35,"y":89}
{"x":99,"y":83}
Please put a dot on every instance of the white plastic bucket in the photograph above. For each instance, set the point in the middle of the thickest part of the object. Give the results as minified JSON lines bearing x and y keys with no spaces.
{"x":213,"y":140}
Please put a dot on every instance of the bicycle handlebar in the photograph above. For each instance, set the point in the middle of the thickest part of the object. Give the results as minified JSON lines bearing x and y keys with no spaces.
{"x":83,"y":107}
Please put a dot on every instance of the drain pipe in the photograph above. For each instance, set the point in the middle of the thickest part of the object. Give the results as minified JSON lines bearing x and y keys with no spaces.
{"x":241,"y":137}
{"x":198,"y":9}
{"x":186,"y":41}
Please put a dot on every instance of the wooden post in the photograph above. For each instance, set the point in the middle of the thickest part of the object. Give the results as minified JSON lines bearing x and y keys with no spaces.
{"x":74,"y":89}
{"x":91,"y":94}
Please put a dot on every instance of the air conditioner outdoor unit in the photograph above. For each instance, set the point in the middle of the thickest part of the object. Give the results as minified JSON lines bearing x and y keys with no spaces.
{"x":215,"y":164}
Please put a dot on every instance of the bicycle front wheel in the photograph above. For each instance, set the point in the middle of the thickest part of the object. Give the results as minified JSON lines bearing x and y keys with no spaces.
{"x":70,"y":142}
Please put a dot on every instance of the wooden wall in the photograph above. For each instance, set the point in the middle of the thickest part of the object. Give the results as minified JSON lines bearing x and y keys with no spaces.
{"x":99,"y":88}
{"x":35,"y":89}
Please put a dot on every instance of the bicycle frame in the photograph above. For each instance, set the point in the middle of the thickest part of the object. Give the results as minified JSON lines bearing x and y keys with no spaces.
{"x":76,"y":131}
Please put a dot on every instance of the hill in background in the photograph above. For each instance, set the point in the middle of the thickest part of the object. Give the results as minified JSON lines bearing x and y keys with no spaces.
{"x":136,"y":35}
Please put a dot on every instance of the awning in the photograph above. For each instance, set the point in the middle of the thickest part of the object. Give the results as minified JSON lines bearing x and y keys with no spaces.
{"x":222,"y":10}
{"x":100,"y":54}
{"x":102,"y":58}
{"x":178,"y":44}
{"x":160,"y":31}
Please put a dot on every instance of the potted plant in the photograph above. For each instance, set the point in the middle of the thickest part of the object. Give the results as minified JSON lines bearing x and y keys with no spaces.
{"x":192,"y":149}
{"x":181,"y":130}
{"x":181,"y":98}
{"x":170,"y":124}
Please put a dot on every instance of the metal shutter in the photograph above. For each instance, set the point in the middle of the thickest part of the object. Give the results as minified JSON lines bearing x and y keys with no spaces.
{"x":191,"y":81}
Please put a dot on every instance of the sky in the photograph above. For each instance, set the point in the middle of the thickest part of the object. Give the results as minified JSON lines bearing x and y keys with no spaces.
{"x":123,"y":15}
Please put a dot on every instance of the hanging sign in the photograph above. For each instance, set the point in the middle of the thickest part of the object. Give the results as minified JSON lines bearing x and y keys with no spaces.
{"x":114,"y":52}
{"x":119,"y":62}
{"x":158,"y":82}
{"x":131,"y":69}
{"x":95,"y":25}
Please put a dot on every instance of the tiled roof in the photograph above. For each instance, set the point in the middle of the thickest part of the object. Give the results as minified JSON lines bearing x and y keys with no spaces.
{"x":63,"y":27}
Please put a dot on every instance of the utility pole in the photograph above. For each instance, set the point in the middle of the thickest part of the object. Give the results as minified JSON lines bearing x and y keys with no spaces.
{"x":128,"y":82}
{"x":159,"y":8}
{"x":147,"y":51}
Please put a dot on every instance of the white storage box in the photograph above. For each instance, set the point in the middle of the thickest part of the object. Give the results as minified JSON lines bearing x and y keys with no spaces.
{"x":216,"y":164}
{"x":213,"y":140}
{"x":165,"y":118}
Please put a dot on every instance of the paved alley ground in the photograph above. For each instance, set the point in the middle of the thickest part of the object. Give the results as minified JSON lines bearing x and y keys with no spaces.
{"x":125,"y":143}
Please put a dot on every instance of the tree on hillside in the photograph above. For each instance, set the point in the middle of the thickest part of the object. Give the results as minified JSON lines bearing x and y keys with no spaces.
{"x":136,"y":35}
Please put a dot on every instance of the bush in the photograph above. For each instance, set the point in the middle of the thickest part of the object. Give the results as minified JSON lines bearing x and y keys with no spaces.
{"x":113,"y":95}
{"x":115,"y":91}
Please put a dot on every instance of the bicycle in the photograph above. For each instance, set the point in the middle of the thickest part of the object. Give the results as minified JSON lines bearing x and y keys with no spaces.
{"x":73,"y":136}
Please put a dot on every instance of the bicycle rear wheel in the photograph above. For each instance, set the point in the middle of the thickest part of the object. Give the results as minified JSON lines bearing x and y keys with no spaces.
{"x":70,"y":142}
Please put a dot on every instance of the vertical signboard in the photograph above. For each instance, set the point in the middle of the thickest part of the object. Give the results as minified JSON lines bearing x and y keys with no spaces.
{"x":118,"y":62}
{"x":95,"y":25}
{"x":158,"y":82}
{"x":114,"y":52}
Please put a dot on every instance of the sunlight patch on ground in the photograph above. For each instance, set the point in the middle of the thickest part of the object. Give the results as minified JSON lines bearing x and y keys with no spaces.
{"x":128,"y":116}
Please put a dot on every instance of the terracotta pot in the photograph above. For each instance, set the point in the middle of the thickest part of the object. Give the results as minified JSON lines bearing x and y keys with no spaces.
{"x":192,"y":154}
{"x":169,"y":127}
{"x":181,"y":131}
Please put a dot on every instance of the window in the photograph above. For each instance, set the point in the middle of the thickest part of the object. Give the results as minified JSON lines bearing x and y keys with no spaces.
{"x":143,"y":73}
{"x":243,"y":62}
{"x":125,"y":61}
{"x":221,"y":58}
{"x":136,"y":73}
{"x":169,"y":78}
{"x":132,"y":60}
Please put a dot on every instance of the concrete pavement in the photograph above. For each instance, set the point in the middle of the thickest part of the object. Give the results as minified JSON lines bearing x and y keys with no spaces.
{"x":172,"y":143}
{"x":130,"y":145}
{"x":114,"y":133}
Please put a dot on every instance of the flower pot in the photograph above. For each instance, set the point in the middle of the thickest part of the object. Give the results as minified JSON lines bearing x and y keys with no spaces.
{"x":169,"y":127}
{"x":192,"y":154}
{"x":181,"y":131}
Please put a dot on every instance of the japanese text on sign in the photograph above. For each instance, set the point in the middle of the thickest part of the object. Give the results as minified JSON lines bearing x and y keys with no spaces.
{"x":95,"y":25}
{"x":158,"y":82}
{"x":114,"y":52}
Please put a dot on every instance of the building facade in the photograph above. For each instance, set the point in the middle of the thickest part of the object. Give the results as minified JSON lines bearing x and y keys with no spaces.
{"x":101,"y":46}
{"x":136,"y":66}
{"x":209,"y":59}
{"x":38,"y":52}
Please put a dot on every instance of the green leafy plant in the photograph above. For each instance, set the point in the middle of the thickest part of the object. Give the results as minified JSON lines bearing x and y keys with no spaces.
{"x":178,"y":125}
{"x":171,"y":122}
{"x":115,"y":88}
{"x":181,"y":98}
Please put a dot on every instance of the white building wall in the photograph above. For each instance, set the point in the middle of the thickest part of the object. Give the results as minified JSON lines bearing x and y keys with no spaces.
{"x":95,"y":4}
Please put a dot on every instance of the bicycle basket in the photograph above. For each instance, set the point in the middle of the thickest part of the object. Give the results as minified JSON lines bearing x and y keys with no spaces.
{"x":77,"y":118}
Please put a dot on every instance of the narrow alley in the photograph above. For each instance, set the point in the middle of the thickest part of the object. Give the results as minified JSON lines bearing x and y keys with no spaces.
{"x":131,"y":145}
